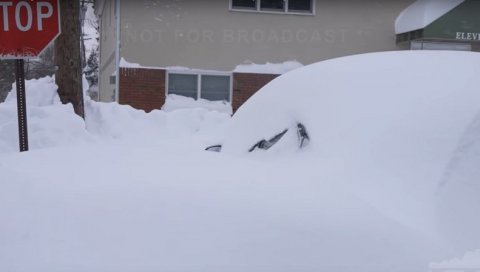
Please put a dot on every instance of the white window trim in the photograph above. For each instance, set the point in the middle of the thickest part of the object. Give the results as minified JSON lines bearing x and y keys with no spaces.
{"x":199,"y":74}
{"x":285,"y":11}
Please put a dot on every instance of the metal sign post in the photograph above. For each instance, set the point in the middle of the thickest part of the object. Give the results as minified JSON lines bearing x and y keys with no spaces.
{"x":21,"y":105}
{"x":26,"y":29}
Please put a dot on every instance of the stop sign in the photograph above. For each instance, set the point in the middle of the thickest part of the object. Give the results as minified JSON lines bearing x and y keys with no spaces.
{"x":27,"y":27}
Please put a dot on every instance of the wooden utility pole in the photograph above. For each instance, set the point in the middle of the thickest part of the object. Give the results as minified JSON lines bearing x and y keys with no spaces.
{"x":68,"y":57}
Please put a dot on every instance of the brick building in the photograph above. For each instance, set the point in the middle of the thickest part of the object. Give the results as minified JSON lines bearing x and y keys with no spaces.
{"x":193,"y":48}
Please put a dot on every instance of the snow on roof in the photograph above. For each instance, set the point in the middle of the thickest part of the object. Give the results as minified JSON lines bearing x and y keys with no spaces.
{"x":268,"y":68}
{"x":126,"y":64}
{"x":246,"y":67}
{"x":422,"y":13}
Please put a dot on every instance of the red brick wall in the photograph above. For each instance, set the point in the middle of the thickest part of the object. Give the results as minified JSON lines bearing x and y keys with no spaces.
{"x":142,"y":89}
{"x":246,"y":84}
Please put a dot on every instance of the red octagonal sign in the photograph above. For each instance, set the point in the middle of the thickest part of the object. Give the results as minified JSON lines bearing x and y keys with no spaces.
{"x":27,"y":27}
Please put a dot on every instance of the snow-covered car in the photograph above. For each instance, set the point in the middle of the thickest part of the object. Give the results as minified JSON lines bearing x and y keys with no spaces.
{"x":366,"y":163}
{"x":402,"y":126}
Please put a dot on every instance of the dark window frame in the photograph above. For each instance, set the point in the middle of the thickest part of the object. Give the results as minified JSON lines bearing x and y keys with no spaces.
{"x":286,"y":9}
{"x":199,"y":75}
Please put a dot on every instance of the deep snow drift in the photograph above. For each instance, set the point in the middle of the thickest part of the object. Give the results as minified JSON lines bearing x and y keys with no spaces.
{"x":402,"y":126}
{"x":52,"y":124}
{"x":175,"y":102}
{"x":469,"y":261}
{"x":388,"y":182}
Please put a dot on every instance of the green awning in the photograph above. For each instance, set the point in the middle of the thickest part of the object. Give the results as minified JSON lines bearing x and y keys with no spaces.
{"x":461,"y":24}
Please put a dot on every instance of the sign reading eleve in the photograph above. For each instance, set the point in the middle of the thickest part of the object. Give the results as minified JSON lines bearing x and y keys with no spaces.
{"x":27,"y":27}
{"x":468,"y":36}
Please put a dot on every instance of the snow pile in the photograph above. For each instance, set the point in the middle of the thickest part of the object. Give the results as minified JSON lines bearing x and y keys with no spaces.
{"x":113,"y":121}
{"x":49,"y":122}
{"x":152,"y":208}
{"x":388,"y":140}
{"x":175,"y":102}
{"x":471,"y":260}
{"x":392,"y":157}
{"x":268,"y":68}
{"x":39,"y":93}
{"x":459,"y":191}
{"x":52,"y":124}
{"x":422,"y":13}
{"x":330,"y":106}
{"x":126,"y":64}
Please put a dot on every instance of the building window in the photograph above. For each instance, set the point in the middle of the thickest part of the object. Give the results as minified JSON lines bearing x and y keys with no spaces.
{"x":300,"y":6}
{"x":244,"y":4}
{"x":184,"y":85}
{"x":272,"y":5}
{"x":213,"y":87}
{"x":427,"y":45}
{"x":275,"y":6}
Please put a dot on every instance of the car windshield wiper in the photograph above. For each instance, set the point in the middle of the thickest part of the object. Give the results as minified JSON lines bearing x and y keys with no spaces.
{"x":303,"y":140}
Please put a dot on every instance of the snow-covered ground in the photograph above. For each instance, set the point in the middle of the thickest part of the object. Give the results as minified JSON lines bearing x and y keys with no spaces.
{"x":469,"y":262}
{"x":388,"y":182}
{"x":175,"y":102}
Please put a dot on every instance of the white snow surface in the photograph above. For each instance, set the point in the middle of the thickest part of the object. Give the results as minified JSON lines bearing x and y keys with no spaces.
{"x":50,"y":123}
{"x":402,"y":126}
{"x":126,"y":64}
{"x":246,"y":67}
{"x":470,"y":260}
{"x":176,"y":102}
{"x":392,"y":158}
{"x":268,"y":68}
{"x":421,"y":13}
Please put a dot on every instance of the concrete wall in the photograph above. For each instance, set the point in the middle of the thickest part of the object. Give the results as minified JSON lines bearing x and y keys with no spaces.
{"x":207,"y":35}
